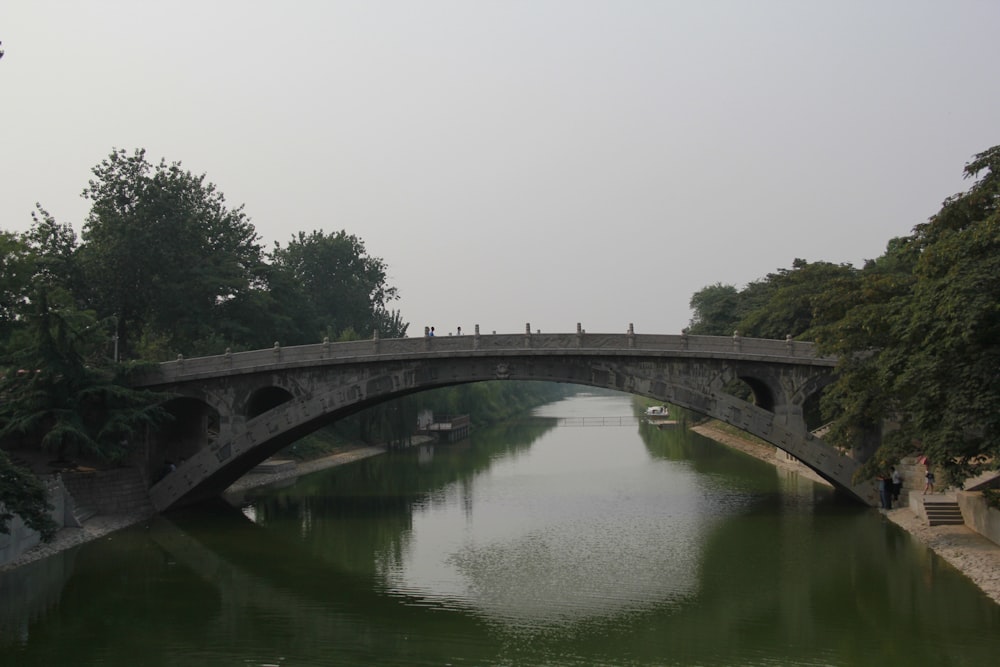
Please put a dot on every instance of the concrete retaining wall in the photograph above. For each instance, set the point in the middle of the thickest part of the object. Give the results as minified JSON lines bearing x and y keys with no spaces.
{"x":979,"y":516}
{"x":114,"y":491}
{"x":21,"y":538}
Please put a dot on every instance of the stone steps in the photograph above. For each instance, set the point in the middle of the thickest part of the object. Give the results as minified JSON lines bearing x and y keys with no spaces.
{"x":943,"y":512}
{"x":81,"y":513}
{"x":274,"y":467}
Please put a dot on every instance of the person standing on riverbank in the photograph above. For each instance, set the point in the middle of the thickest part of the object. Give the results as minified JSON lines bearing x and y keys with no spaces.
{"x":885,"y":491}
{"x":897,"y":484}
{"x":929,"y":476}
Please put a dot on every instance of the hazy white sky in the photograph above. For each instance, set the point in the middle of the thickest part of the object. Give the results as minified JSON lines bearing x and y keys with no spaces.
{"x":542,"y":161}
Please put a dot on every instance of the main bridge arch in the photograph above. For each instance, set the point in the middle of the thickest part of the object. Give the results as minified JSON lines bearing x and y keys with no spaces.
{"x":264,"y":400}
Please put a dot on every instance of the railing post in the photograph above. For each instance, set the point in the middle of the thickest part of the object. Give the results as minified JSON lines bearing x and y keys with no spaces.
{"x":475,"y":338}
{"x":579,"y":335}
{"x":527,"y":334}
{"x":630,"y":336}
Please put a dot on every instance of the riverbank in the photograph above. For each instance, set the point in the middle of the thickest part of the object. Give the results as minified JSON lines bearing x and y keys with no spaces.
{"x":253,"y":480}
{"x":100,"y":526}
{"x":764,"y":452}
{"x":961,"y":547}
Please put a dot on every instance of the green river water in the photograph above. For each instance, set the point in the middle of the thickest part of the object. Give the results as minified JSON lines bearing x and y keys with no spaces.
{"x":537,"y":543}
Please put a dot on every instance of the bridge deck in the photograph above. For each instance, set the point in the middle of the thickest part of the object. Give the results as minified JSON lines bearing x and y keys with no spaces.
{"x":653,"y":345}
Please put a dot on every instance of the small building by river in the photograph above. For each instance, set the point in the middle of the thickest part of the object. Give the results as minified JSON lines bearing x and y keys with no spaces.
{"x":443,"y":428}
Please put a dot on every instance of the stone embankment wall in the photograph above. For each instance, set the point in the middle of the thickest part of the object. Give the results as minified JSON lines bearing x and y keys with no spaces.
{"x":21,"y":538}
{"x":76,"y":496}
{"x":114,"y":491}
{"x":979,"y":516}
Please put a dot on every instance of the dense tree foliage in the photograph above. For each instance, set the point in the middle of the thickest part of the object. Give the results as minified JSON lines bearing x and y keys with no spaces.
{"x":917,"y":330}
{"x":15,"y":278}
{"x":163,"y":267}
{"x":59,"y":394}
{"x":927,"y":321}
{"x":163,"y":253}
{"x":183,"y":273}
{"x":22,"y":494}
{"x":716,"y":310}
{"x":789,"y":302}
{"x":341,"y":287}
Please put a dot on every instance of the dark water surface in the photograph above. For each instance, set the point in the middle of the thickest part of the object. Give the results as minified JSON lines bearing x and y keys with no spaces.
{"x":532,"y":544}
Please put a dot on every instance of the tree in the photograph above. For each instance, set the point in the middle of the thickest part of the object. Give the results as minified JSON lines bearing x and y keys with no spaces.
{"x":16,"y":269}
{"x":59,"y":396}
{"x":716,"y":310}
{"x":53,"y":247}
{"x":22,"y":494}
{"x":786,"y":303}
{"x":343,"y":285}
{"x":163,"y":253}
{"x":273,"y":309}
{"x":39,"y":260}
{"x":922,"y":344}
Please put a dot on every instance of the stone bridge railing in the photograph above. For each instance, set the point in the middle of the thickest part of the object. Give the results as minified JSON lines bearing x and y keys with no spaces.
{"x":680,"y":345}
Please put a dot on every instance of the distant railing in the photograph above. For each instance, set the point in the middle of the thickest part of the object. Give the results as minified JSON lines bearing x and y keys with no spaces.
{"x":598,"y":421}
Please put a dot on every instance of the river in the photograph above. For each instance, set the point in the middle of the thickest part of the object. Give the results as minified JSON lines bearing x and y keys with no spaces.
{"x":540,"y":542}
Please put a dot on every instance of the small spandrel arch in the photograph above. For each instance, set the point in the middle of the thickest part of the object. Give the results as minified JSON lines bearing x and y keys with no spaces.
{"x":266,"y":399}
{"x":193,"y":424}
{"x":763,"y":396}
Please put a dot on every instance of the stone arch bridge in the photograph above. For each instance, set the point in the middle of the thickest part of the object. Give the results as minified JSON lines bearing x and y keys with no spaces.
{"x":233,"y":411}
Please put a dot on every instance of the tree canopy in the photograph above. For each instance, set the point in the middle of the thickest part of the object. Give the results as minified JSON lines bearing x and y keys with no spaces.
{"x":24,"y":495}
{"x":162,"y":252}
{"x":789,"y":302}
{"x":341,"y":287}
{"x":163,"y":267}
{"x":917,"y":330}
{"x":921,"y":345}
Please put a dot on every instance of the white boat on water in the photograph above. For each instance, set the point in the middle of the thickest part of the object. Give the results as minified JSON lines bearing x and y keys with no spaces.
{"x":659,"y":416}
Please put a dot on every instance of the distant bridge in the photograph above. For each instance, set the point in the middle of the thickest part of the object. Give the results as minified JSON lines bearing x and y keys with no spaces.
{"x":235,"y":410}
